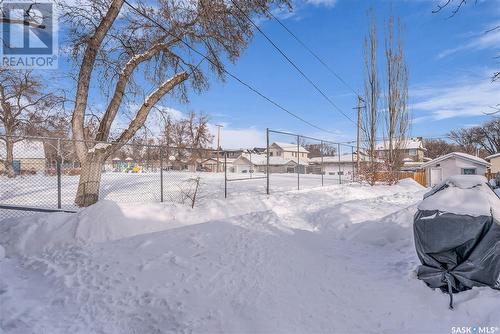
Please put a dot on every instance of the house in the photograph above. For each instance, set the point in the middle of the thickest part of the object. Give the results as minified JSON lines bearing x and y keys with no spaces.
{"x":413,"y":150}
{"x":257,"y":163}
{"x":332,"y":165}
{"x":346,"y":164}
{"x":494,"y":160}
{"x":210,"y":164}
{"x":289,"y":152}
{"x":29,"y":157}
{"x":455,"y":163}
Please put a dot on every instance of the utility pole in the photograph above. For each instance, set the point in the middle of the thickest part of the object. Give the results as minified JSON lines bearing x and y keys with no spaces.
{"x":218,"y":143}
{"x":359,"y":107}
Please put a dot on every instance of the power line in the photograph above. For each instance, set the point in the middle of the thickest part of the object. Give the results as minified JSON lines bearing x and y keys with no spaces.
{"x":318,"y":58}
{"x":276,"y":104}
{"x":292,"y":63}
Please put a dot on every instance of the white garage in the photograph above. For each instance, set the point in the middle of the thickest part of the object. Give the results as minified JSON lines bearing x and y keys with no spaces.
{"x":455,"y":163}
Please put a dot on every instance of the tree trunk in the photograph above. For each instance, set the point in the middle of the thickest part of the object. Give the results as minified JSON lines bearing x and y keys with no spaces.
{"x":90,"y":179}
{"x":9,"y":157}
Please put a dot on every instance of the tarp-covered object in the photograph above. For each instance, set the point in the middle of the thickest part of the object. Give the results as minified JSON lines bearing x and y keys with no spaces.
{"x":457,"y":235}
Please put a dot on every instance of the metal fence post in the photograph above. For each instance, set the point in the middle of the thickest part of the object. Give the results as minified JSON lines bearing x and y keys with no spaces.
{"x":298,"y":162}
{"x":225,"y":174}
{"x":267,"y":161}
{"x":352,"y":160}
{"x":340,"y":176}
{"x":321,"y":151}
{"x":161,"y":174}
{"x":58,"y":168}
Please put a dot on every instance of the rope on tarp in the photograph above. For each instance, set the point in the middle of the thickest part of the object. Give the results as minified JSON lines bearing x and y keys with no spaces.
{"x":448,"y":277}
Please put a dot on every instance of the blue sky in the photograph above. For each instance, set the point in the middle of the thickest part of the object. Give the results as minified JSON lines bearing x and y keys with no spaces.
{"x":450,"y":63}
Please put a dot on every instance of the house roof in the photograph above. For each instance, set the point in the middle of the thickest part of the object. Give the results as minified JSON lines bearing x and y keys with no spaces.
{"x":290,"y":147}
{"x":410,"y":143}
{"x":344,"y":158}
{"x":261,"y":160}
{"x":459,"y":155}
{"x":24,"y":149}
{"x":493,"y":156}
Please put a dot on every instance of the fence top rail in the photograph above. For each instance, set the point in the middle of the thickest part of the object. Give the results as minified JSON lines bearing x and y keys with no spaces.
{"x":307,"y":137}
{"x":161,"y":145}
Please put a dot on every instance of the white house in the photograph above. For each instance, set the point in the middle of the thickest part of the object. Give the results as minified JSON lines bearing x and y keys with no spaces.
{"x":455,"y":163}
{"x":412,"y":149}
{"x":257,"y":163}
{"x":289,"y":152}
{"x":494,"y":159}
{"x":29,"y":156}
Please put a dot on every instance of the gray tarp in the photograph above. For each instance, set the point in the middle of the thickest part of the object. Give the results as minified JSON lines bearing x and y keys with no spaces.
{"x":457,"y":252}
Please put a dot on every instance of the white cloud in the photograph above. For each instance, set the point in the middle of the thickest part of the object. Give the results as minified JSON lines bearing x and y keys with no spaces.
{"x":326,"y":3}
{"x":485,"y":40}
{"x":234,"y":138}
{"x":464,"y":99}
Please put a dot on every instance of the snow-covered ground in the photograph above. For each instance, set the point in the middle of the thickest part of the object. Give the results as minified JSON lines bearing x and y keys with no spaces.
{"x":41,"y":190}
{"x":339,"y":259}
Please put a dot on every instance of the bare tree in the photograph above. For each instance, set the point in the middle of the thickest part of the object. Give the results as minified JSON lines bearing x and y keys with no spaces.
{"x":150,"y":42}
{"x":439,"y":147}
{"x":484,"y":138}
{"x":370,"y":114}
{"x":23,"y":108}
{"x":395,"y":113}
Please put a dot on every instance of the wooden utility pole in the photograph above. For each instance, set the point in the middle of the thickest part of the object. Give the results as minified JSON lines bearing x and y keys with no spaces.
{"x":218,"y":143}
{"x":360,"y":100}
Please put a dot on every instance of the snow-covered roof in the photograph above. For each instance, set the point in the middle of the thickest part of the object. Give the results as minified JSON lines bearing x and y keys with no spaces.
{"x":334,"y":159}
{"x":493,"y":156}
{"x":261,"y":160}
{"x":459,"y":155}
{"x":411,"y":143}
{"x":344,"y":158}
{"x":24,"y":149}
{"x":462,"y":195}
{"x":290,"y":147}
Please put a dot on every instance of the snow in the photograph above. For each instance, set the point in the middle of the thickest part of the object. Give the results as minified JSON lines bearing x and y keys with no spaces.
{"x":336,"y":259}
{"x":463,"y":195}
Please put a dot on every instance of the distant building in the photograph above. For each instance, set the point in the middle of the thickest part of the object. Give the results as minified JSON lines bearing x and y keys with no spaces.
{"x":289,"y":152}
{"x":412,"y":150}
{"x":455,"y":163}
{"x":257,"y":163}
{"x":29,"y":157}
{"x":494,"y":159}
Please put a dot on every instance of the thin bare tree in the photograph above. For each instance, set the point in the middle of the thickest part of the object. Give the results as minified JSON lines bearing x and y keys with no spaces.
{"x":396,"y":115}
{"x":370,"y":115}
{"x":134,"y":44}
{"x":24,"y":107}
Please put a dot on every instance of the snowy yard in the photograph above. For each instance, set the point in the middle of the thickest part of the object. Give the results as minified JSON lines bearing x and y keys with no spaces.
{"x":339,"y":259}
{"x":41,"y":190}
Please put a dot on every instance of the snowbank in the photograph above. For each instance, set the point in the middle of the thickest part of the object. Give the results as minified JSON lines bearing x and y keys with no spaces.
{"x":339,"y":259}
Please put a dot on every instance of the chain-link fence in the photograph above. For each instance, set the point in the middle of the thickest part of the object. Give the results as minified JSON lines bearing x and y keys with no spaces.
{"x":39,"y":174}
{"x":302,"y":162}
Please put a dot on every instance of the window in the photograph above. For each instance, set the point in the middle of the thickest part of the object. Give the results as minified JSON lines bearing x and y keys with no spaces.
{"x":278,"y":153}
{"x":270,"y":154}
{"x":412,"y":152}
{"x":468,"y":171}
